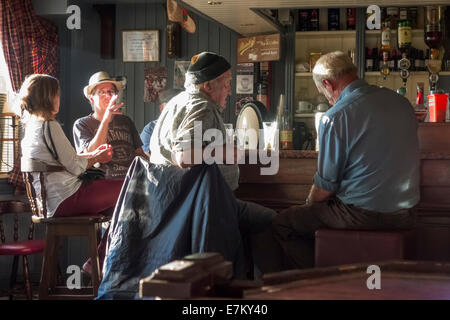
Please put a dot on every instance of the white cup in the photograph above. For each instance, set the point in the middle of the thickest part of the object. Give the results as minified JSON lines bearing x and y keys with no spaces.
{"x":304,"y":107}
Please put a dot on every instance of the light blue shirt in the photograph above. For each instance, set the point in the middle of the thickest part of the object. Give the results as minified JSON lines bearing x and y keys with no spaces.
{"x":369,"y":149}
{"x":146,"y":134}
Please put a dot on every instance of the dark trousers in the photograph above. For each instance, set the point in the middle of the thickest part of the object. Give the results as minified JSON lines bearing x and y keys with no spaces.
{"x":289,"y":244}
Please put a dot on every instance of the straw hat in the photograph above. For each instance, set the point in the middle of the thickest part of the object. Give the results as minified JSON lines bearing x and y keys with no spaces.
{"x":99,"y":78}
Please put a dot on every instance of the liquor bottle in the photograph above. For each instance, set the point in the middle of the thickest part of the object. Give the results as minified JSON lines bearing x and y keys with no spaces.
{"x":403,"y":14}
{"x":333,"y":19}
{"x":286,"y":142}
{"x":433,"y":31}
{"x":351,"y":18}
{"x":413,"y":17}
{"x":404,"y":35}
{"x":314,"y":21}
{"x":385,"y":48}
{"x":385,"y":37}
{"x":369,"y":60}
{"x":303,"y":20}
{"x":392,"y":16}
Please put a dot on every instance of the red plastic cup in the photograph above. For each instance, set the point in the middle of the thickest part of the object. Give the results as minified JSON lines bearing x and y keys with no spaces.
{"x":437,"y":107}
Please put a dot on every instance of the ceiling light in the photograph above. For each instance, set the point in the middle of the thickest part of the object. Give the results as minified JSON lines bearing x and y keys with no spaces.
{"x":214,"y":3}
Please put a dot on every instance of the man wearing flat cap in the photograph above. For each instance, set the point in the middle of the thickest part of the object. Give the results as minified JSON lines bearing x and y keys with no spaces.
{"x":107,"y":124}
{"x":207,"y":84}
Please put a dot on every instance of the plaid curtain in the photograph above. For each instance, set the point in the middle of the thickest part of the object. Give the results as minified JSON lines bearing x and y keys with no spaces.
{"x":30,"y":45}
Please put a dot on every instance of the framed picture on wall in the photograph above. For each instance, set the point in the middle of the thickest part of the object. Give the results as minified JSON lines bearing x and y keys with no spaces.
{"x":140,"y":45}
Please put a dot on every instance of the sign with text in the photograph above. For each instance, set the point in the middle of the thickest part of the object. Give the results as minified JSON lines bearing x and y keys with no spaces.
{"x":259,"y":48}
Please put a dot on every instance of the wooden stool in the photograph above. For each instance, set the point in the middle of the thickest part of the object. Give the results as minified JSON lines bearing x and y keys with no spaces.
{"x":337,"y":247}
{"x":57,"y":228}
{"x":68,"y":227}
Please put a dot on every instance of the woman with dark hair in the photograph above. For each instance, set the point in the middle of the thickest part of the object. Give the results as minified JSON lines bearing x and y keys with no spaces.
{"x":45,"y":141}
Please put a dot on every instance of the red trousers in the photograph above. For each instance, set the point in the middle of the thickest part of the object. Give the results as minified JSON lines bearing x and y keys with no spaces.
{"x":97,"y":197}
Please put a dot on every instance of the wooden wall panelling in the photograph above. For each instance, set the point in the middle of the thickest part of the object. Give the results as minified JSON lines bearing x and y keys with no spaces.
{"x":297,"y":171}
{"x":151,"y":14}
{"x":139,"y":107}
{"x":282,"y":195}
{"x":128,"y":19}
{"x":433,"y":137}
{"x":435,"y":173}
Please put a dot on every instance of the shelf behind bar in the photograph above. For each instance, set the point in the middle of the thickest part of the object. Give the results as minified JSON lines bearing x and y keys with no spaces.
{"x":377,"y":73}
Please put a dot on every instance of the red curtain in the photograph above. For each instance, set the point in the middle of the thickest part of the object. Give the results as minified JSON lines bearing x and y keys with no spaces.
{"x":30,"y":45}
{"x":30,"y":42}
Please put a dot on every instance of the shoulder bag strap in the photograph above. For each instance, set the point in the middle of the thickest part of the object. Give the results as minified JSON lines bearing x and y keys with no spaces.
{"x":53,"y":152}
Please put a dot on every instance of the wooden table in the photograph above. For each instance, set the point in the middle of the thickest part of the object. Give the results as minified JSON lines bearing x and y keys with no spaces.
{"x":400,"y":280}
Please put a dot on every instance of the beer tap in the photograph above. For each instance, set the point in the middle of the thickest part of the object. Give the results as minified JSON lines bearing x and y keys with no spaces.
{"x":404,"y":37}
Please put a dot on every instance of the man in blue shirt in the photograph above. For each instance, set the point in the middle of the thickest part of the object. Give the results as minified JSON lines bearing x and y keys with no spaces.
{"x":368,"y":164}
{"x":163,"y":98}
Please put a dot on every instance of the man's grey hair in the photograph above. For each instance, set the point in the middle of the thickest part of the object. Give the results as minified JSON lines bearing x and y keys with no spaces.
{"x":190,"y":84}
{"x":332,"y":66}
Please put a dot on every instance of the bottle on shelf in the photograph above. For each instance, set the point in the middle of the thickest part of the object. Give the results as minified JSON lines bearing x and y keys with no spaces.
{"x":303,"y":20}
{"x":351,"y":18}
{"x":333,"y":19}
{"x":433,"y":30}
{"x":286,"y":142}
{"x":412,"y":13}
{"x":403,"y":14}
{"x":314,"y":20}
{"x":404,"y":35}
{"x":385,"y":49}
{"x":392,"y":16}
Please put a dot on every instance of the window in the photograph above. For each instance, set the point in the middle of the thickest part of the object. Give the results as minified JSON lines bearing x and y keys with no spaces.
{"x":9,"y":136}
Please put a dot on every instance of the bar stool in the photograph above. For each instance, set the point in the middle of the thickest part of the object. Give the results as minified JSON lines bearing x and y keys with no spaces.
{"x":57,"y":228}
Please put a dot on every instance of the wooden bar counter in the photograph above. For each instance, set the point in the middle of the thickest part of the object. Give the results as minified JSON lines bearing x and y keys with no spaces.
{"x":291,"y":185}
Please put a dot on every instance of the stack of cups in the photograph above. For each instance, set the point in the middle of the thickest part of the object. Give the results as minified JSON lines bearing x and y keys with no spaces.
{"x":437,"y":106}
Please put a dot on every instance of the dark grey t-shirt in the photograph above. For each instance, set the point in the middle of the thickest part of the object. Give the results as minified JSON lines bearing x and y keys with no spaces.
{"x":122,"y":136}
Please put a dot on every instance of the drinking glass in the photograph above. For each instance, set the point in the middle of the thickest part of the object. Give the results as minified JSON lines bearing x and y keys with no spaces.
{"x":229,"y":139}
{"x":270,"y":136}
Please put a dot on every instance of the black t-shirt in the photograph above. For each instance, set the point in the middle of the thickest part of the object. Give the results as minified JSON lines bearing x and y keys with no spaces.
{"x":122,"y":136}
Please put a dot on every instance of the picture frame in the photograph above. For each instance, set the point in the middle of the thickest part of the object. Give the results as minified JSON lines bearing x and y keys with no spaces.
{"x":140,"y":45}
